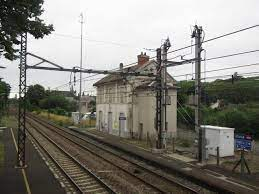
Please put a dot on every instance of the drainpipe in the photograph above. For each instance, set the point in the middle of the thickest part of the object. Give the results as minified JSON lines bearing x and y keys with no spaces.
{"x":132,"y":121}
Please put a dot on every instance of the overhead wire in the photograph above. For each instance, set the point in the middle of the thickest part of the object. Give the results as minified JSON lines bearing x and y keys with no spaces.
{"x":182,"y":48}
{"x":220,"y":69}
{"x":215,"y":38}
{"x":153,"y":94}
{"x":93,"y":40}
{"x":231,"y":55}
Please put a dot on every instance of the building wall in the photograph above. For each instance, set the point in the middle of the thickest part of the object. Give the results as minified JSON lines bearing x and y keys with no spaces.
{"x":140,"y":114}
{"x":140,"y":111}
{"x":144,"y":113}
{"x":85,"y":100}
{"x":115,"y":110}
{"x":84,"y":107}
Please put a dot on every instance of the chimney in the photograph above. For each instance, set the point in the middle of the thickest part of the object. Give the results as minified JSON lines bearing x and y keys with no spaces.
{"x":142,"y":59}
{"x":121,"y":66}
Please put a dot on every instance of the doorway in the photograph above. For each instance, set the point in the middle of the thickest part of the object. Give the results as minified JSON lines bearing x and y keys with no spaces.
{"x":100,"y":123}
{"x":122,"y":123}
{"x":140,"y":131}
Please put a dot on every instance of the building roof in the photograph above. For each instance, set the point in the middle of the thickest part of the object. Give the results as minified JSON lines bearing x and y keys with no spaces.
{"x":151,"y":84}
{"x":88,"y":98}
{"x":114,"y":78}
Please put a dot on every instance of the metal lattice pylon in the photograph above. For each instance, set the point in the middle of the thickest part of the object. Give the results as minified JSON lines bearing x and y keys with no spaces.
{"x":22,"y":103}
{"x":159,"y":101}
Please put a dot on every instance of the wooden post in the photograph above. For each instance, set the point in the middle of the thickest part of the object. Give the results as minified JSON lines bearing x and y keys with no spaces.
{"x":147,"y":137}
{"x":242,"y":162}
{"x":218,"y":156}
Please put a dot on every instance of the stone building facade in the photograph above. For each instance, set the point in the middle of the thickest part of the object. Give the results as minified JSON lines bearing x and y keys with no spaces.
{"x":126,"y":106}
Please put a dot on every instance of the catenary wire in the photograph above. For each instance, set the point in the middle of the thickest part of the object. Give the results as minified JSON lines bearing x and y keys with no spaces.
{"x":221,"y":69}
{"x":215,"y":38}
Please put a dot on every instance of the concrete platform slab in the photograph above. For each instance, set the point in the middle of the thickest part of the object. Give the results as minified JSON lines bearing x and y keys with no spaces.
{"x":36,"y":178}
{"x":180,"y":157}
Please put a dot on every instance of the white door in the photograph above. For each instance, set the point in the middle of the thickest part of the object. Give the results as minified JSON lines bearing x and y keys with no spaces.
{"x":100,"y":121}
{"x":122,"y":123}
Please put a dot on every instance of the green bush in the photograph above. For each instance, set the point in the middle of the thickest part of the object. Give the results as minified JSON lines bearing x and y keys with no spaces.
{"x":58,"y":111}
{"x":185,"y":116}
{"x":243,"y":117}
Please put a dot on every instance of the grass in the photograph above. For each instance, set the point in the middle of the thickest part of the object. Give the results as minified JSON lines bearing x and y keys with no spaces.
{"x":58,"y":119}
{"x":10,"y":122}
{"x":88,"y":123}
{"x":184,"y":143}
{"x":64,"y":120}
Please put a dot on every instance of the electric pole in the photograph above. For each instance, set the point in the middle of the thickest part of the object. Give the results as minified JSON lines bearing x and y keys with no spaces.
{"x":158,"y":100}
{"x":161,"y":95}
{"x":201,"y":133}
{"x":166,"y":45}
{"x":22,"y":103}
{"x":81,"y":63}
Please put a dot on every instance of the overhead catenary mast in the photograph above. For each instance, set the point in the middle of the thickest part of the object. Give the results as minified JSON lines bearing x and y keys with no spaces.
{"x":197,"y":33}
{"x":81,"y":62}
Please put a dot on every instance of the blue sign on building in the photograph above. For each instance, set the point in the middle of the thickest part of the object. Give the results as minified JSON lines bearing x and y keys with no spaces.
{"x":243,"y":141}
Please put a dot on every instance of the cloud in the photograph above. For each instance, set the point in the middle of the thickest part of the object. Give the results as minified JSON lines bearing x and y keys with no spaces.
{"x":136,"y":25}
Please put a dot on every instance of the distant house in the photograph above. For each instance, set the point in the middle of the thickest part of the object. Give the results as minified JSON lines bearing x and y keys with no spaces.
{"x":86,"y":105}
{"x":126,"y":106}
{"x":218,"y":104}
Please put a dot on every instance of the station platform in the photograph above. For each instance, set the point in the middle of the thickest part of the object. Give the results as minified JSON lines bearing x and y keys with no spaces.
{"x":35,"y":178}
{"x":192,"y":170}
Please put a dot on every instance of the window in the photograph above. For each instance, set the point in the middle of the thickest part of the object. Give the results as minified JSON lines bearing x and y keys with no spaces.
{"x":168,"y":100}
{"x":106,"y":95}
{"x":122,"y":94}
{"x":109,"y":95}
{"x":100,"y":95}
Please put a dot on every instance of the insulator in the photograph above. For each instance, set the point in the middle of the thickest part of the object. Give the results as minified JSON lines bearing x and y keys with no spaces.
{"x":74,"y":79}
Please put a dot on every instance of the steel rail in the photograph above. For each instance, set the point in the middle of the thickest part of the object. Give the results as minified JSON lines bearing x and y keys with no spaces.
{"x":175,"y":182}
{"x":103,"y":184}
{"x":55,"y":161}
{"x":107,"y":160}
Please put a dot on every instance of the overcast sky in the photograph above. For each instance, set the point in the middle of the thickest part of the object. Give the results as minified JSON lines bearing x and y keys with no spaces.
{"x":117,"y":31}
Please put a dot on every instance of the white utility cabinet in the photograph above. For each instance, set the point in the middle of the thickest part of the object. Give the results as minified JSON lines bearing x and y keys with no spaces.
{"x":222,"y":137}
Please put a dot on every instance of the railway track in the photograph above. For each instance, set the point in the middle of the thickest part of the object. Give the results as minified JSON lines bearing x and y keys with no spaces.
{"x":156,"y":181}
{"x":83,"y":179}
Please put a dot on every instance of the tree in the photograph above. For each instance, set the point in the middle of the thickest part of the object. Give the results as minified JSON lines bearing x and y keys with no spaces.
{"x":92,"y":105}
{"x":57,"y":102}
{"x":4,"y":93}
{"x":53,"y":102}
{"x":16,"y":17}
{"x":185,"y":88}
{"x":35,"y":93}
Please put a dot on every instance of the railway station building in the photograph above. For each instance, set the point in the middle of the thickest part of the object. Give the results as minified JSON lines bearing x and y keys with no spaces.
{"x":126,"y":105}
